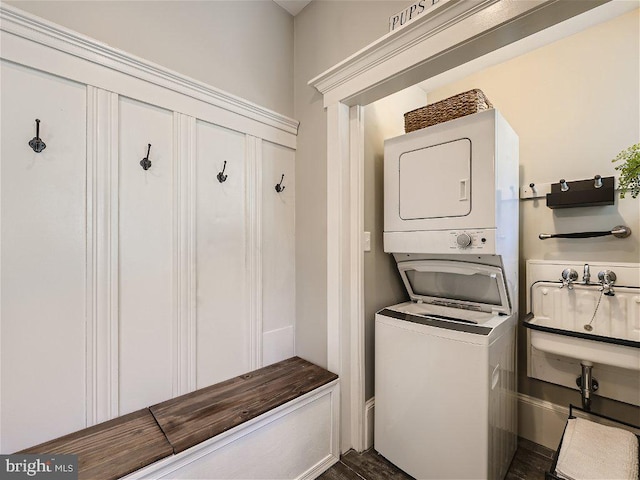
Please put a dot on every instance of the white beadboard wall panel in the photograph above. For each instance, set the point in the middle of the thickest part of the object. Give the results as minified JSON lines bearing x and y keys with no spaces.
{"x":222,"y":295}
{"x":146,"y":256}
{"x":43,"y":256}
{"x":278,"y":242}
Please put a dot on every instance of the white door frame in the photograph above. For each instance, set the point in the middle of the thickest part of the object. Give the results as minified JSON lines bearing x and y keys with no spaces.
{"x":453,"y":33}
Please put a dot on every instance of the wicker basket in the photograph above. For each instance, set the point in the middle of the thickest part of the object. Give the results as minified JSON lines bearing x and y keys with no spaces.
{"x":457,"y":106}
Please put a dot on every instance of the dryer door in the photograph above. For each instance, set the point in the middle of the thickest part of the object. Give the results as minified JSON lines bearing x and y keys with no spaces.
{"x":451,"y":176}
{"x":435,"y":182}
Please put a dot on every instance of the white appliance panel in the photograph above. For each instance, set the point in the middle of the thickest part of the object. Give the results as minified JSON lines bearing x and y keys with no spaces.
{"x":435,"y":181}
{"x":445,"y":405}
{"x":441,"y":242}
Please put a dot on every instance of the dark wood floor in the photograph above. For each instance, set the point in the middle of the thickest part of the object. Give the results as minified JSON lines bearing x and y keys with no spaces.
{"x":530,"y":463}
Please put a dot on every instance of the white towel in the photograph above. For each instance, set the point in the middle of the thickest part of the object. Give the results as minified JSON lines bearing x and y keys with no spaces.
{"x":593,"y":451}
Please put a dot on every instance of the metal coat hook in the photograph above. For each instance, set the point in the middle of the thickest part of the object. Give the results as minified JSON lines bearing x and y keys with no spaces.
{"x":221,"y":176}
{"x":279,"y":187}
{"x":36,"y":143}
{"x":597,"y":181}
{"x":145,"y":163}
{"x":564,"y":186}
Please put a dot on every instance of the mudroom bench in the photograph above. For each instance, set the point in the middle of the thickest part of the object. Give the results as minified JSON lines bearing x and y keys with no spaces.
{"x":276,"y":422}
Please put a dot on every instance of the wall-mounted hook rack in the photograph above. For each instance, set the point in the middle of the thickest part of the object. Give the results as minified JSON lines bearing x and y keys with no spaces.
{"x":145,"y":163}
{"x":591,"y":192}
{"x":621,"y":231}
{"x":36,"y":142}
{"x":279,"y":187}
{"x":534,"y":190}
{"x":221,"y":176}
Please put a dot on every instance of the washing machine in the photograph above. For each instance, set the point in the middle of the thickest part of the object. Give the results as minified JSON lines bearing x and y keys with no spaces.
{"x":445,"y":369}
{"x":445,"y":377}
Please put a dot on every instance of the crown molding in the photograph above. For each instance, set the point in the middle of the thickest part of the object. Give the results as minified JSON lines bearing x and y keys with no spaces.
{"x":451,"y":33}
{"x":443,"y":15}
{"x":38,"y":30}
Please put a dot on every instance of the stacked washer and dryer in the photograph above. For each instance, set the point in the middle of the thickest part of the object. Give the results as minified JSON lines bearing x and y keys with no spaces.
{"x":445,"y":372}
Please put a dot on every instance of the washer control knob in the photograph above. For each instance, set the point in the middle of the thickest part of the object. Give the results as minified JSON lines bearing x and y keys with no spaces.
{"x":463,"y":240}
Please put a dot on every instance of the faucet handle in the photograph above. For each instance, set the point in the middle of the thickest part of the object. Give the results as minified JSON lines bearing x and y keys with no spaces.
{"x":607,"y":277}
{"x":569,"y":275}
{"x":607,"y":280}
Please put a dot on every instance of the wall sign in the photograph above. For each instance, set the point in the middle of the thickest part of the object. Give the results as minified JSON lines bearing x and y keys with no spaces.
{"x":412,"y":11}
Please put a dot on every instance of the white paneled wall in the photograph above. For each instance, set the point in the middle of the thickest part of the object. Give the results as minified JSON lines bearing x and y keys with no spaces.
{"x":223,"y":323}
{"x":278,"y":271}
{"x":123,"y":287}
{"x":43,"y":256}
{"x":146,"y":255}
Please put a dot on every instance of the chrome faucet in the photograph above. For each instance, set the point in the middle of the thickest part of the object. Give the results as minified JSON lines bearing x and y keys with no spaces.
{"x":586,"y":276}
{"x":569,"y":275}
{"x":607,"y":280}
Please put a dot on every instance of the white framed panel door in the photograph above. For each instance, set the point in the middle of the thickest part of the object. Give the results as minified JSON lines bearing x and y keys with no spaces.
{"x":223,"y":324}
{"x":146,"y":256}
{"x":43,"y":258}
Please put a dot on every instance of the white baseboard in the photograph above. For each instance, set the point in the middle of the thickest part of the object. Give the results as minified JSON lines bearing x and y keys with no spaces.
{"x":541,"y":421}
{"x":369,"y":410}
{"x":320,"y":467}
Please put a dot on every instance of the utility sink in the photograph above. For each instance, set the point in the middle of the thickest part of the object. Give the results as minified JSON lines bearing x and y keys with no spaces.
{"x":559,"y":315}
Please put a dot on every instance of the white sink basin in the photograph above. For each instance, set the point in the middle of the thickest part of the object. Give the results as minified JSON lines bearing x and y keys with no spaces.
{"x":596,"y":351}
{"x":559,"y":316}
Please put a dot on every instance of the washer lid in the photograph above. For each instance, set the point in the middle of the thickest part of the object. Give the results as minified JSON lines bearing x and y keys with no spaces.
{"x":458,"y":284}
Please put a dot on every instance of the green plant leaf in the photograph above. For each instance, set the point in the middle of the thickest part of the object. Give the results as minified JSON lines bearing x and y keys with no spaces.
{"x":629,"y":180}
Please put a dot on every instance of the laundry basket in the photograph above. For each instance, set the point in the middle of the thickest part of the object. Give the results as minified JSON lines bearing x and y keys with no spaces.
{"x":602,"y":460}
{"x":450,"y":108}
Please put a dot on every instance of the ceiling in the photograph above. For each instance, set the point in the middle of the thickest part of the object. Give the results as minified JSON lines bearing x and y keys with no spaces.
{"x":293,"y":6}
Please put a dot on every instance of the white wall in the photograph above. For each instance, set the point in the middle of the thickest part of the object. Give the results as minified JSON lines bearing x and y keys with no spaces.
{"x":382,"y":283}
{"x":326,"y":32}
{"x":242,"y":47}
{"x":575,"y":104}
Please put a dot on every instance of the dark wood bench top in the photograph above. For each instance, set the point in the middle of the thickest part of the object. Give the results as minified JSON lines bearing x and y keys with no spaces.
{"x":125,"y":444}
{"x":114,"y":448}
{"x":195,"y":417}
